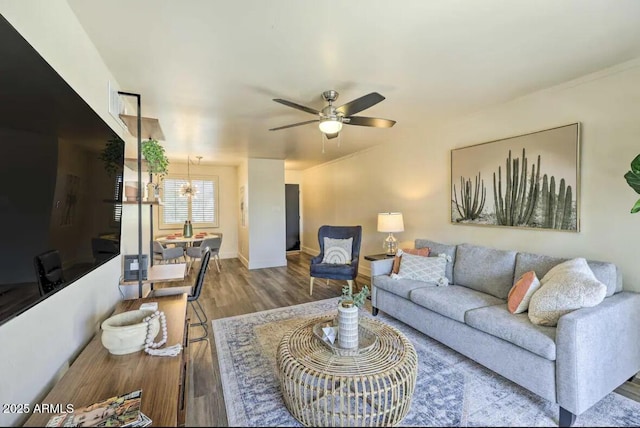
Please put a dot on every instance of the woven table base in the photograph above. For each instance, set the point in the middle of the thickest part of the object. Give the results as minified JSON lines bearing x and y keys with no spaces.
{"x":322,"y":388}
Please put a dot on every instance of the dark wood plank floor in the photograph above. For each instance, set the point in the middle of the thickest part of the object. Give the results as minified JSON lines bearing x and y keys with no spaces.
{"x":237,"y":290}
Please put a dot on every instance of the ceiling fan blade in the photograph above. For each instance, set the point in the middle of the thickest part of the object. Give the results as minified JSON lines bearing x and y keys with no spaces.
{"x":330,"y":136}
{"x":370,"y":121}
{"x":294,"y":124}
{"x":296,"y":106}
{"x":360,"y":104}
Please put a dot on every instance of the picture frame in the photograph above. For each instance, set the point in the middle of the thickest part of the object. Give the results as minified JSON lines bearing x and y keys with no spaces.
{"x":527,"y":181}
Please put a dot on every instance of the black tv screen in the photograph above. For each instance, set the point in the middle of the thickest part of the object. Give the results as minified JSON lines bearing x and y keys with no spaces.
{"x":57,"y":194}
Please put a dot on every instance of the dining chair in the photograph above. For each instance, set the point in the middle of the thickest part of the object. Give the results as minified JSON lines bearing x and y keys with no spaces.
{"x":49,"y":272}
{"x":213,"y":244}
{"x":164,"y":254}
{"x":335,"y":262}
{"x":193,"y":294}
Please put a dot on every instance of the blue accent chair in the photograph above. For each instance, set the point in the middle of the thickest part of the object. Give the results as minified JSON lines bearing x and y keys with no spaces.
{"x":347,"y":272}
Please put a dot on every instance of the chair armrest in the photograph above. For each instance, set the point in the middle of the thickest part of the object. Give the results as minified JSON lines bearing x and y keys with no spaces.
{"x":317,"y":259}
{"x":597,"y":350}
{"x":381,"y":267}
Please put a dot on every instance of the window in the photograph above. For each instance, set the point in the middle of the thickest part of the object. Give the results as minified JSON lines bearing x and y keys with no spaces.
{"x":202,"y":210}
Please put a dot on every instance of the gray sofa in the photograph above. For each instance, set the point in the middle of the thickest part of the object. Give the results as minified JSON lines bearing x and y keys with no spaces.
{"x":591,"y":352}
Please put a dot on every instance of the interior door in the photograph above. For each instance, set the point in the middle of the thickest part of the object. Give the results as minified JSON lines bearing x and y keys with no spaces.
{"x":292,"y":208}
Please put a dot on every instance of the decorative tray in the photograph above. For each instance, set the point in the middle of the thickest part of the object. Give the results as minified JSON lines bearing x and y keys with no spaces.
{"x":366,"y":339}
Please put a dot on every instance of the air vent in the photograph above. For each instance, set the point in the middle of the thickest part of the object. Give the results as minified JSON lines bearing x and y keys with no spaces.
{"x":116,"y":104}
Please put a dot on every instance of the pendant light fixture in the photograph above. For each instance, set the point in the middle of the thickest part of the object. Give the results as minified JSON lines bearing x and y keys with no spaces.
{"x":188,"y":189}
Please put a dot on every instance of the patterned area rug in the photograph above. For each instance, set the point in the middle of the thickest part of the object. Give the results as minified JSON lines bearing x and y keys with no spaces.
{"x":451,"y":390}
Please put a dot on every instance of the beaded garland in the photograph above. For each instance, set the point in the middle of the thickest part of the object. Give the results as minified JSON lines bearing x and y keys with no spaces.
{"x":150,"y":347}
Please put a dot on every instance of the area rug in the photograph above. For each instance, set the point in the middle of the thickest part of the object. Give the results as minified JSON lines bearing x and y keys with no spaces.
{"x":451,"y":390}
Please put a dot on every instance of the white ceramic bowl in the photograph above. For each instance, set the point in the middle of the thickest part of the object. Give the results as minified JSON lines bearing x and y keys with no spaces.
{"x":126,"y":332}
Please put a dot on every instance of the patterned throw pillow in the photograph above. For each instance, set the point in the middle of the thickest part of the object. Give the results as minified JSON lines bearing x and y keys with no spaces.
{"x":520,"y":294}
{"x":424,"y":252}
{"x":426,"y":269}
{"x":566,"y":287}
{"x":337,"y":251}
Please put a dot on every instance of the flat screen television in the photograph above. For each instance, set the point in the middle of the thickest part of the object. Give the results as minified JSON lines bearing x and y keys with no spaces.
{"x":56,"y":192}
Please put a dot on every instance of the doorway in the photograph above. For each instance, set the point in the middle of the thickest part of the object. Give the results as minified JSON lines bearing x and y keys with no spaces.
{"x":292,"y":208}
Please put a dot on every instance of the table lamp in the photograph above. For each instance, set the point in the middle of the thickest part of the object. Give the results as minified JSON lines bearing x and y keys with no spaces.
{"x":390,"y":222}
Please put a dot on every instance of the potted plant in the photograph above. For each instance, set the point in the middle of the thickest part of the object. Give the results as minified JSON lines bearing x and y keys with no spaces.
{"x":157,"y":162}
{"x":633,"y":179}
{"x":348,"y":308}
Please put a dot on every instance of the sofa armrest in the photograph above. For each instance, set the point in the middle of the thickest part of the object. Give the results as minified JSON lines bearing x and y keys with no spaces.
{"x":597,"y":350}
{"x":381,"y":267}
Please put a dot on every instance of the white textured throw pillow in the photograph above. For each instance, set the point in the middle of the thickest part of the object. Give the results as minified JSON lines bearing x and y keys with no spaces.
{"x":566,"y":287}
{"x":337,"y":251}
{"x":426,"y":269}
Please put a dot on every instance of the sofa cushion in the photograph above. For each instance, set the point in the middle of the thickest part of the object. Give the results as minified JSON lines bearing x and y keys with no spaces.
{"x":452,"y":301}
{"x":606,"y":272}
{"x":517,"y":329}
{"x":436,"y":249}
{"x":420,"y":268}
{"x":566,"y":287}
{"x":399,"y":288}
{"x":484,"y":269}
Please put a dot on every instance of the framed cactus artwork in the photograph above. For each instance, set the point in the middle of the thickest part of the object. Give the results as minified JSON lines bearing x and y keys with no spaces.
{"x":527,"y":181}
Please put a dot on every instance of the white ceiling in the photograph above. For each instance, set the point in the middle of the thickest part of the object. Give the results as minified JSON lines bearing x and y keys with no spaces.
{"x":208,"y":70}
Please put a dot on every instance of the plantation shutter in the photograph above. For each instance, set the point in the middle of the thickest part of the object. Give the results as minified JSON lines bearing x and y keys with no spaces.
{"x":203,"y":206}
{"x":176,"y":208}
{"x":201,"y":210}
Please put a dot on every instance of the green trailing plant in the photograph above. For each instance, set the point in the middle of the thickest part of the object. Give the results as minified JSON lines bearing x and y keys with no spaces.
{"x":113,"y":155}
{"x":555,"y":208}
{"x":516,"y":206}
{"x":157,"y":160}
{"x":633,"y":180}
{"x":358,"y":298}
{"x":471,"y":202}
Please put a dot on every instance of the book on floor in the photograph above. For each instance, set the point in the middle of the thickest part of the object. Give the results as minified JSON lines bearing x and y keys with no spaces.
{"x":119,"y":411}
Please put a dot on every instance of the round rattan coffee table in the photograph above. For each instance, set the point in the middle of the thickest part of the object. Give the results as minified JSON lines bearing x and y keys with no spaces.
{"x":324,"y":388}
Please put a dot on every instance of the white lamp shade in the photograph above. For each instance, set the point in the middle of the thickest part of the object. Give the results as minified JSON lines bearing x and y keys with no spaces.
{"x":390,"y":222}
{"x":330,"y":126}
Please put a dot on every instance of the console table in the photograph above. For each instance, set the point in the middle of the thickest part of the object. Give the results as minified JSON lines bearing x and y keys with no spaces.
{"x":96,"y":374}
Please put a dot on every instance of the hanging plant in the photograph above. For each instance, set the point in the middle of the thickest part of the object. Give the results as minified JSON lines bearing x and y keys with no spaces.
{"x":113,"y":155}
{"x":154,"y":154}
{"x":633,"y":180}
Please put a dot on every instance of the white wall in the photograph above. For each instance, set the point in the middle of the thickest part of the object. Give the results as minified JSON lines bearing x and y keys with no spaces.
{"x":40,"y":342}
{"x":267,"y":225}
{"x":354,"y":189}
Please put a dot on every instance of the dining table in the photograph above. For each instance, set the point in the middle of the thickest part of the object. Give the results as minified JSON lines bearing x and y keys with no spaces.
{"x":180,"y":239}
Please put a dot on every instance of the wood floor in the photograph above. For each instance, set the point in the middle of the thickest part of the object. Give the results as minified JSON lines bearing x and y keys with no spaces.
{"x":237,"y":290}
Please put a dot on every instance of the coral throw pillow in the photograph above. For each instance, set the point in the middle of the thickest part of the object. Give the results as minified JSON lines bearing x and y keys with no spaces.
{"x":520,"y":294}
{"x":424,"y":252}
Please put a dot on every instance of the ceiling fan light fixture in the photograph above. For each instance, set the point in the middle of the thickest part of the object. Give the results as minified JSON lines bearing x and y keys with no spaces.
{"x":330,"y":126}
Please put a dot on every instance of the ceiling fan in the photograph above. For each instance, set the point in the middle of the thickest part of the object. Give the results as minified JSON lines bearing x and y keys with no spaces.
{"x":331,"y":118}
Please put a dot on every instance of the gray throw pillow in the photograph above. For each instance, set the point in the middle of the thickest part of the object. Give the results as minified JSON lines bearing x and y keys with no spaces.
{"x":425,"y":269}
{"x":337,"y":251}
